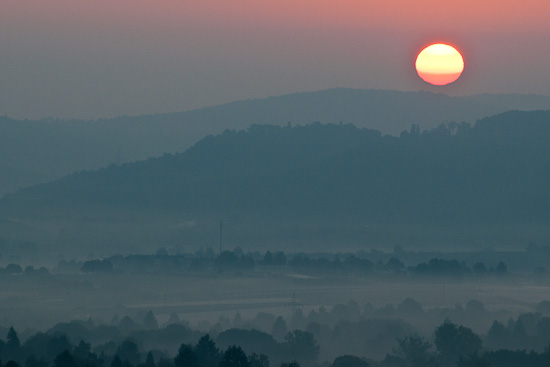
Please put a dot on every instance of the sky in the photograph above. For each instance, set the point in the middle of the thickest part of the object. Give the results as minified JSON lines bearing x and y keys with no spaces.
{"x":104,"y":58}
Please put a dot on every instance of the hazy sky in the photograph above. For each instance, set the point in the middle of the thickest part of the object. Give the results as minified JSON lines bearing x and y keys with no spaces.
{"x":102,"y":58}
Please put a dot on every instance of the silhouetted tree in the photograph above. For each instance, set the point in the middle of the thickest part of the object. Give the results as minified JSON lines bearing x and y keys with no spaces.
{"x":234,"y":356}
{"x":128,"y":351}
{"x":186,"y":357}
{"x":64,"y":359}
{"x":258,"y":360}
{"x":454,"y":341}
{"x":82,"y":350}
{"x":501,"y":268}
{"x":13,"y":345}
{"x":13,"y":269}
{"x":268,"y":258}
{"x":349,"y":361}
{"x":279,"y":329}
{"x":165,"y":362}
{"x":33,"y":362}
{"x":208,"y":354}
{"x":302,"y":346}
{"x":116,"y":362}
{"x":127,"y":324}
{"x":150,"y":321}
{"x":498,"y":337}
{"x":410,"y":307}
{"x":149,"y":360}
{"x":56,"y":345}
{"x":97,"y":266}
{"x":394,"y":265}
{"x":414,"y":350}
{"x":279,"y":258}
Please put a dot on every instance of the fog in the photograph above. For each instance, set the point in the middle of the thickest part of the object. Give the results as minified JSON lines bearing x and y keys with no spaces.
{"x":362,"y":304}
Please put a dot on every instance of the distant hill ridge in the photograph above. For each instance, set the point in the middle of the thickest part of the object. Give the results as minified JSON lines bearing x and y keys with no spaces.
{"x":306,"y":187}
{"x":497,"y":170}
{"x":40,"y":151}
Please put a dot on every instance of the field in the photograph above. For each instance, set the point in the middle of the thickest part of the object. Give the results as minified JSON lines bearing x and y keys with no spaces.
{"x":39,"y":303}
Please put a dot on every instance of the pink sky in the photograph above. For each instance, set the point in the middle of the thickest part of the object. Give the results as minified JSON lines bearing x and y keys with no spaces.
{"x":89,"y":59}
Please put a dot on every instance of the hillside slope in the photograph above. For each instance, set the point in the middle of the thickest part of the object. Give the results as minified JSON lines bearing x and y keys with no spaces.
{"x":38,"y":151}
{"x":496,"y":173}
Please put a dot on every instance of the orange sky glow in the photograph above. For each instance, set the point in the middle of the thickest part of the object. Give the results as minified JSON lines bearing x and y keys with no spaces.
{"x":420,"y":14}
{"x":112,"y":57}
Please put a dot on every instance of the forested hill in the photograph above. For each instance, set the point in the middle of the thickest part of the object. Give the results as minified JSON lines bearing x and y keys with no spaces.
{"x":495,"y":171}
{"x":33,"y":152}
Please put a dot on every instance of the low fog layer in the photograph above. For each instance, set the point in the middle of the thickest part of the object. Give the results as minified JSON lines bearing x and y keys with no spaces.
{"x":312,"y":308}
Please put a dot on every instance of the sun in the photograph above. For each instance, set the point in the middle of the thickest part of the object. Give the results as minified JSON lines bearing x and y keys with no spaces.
{"x":439,"y":64}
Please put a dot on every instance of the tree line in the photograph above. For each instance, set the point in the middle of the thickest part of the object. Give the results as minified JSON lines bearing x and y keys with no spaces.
{"x":453,"y":346}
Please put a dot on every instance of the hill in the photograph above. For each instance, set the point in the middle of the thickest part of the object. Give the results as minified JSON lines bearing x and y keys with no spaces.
{"x":32,"y":152}
{"x":302,"y":185}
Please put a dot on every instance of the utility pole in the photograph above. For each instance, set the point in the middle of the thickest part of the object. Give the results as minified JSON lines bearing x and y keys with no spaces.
{"x":221,"y":228}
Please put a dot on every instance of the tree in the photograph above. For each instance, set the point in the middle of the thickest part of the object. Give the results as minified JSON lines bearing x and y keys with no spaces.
{"x":501,"y":268}
{"x":33,"y":362}
{"x":349,"y":361}
{"x":150,"y":321}
{"x":477,"y":361}
{"x":165,"y":362}
{"x":453,"y":342}
{"x":414,"y":350}
{"x":13,"y":345}
{"x":149,"y":360}
{"x":302,"y":346}
{"x":410,"y":307}
{"x":13,"y":269}
{"x":128,"y":351}
{"x":279,"y":258}
{"x":227,"y":261}
{"x":394,"y":265}
{"x":116,"y":362}
{"x":64,"y":359}
{"x":208,"y":354}
{"x":97,"y":266}
{"x":186,"y":357}
{"x":498,"y":337}
{"x":279,"y":329}
{"x":56,"y":345}
{"x":234,"y":356}
{"x":268,"y":258}
{"x":128,"y":324}
{"x":258,"y":360}
{"x":82,"y":350}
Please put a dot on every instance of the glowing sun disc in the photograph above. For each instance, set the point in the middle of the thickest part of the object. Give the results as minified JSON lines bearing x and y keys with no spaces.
{"x":439,"y":64}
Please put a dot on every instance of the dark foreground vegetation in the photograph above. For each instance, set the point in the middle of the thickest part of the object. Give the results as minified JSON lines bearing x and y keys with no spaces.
{"x":126,"y":343}
{"x":403,"y":333}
